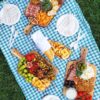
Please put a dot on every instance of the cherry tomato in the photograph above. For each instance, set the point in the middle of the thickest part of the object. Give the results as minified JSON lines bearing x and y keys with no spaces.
{"x":29,"y":57}
{"x":83,"y":95}
{"x":80,"y":93}
{"x":32,"y":56}
{"x":89,"y":97}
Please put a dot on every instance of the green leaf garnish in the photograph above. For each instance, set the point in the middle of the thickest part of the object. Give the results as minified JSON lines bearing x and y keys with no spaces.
{"x":46,"y":5}
{"x":78,"y":73}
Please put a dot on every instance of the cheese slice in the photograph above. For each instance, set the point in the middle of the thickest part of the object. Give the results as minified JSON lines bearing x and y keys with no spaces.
{"x":88,"y":73}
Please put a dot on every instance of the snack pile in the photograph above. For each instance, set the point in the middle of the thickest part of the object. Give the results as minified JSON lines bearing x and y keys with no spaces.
{"x":51,"y":48}
{"x":35,"y":69}
{"x":81,"y":76}
{"x":60,"y":50}
{"x":41,"y":12}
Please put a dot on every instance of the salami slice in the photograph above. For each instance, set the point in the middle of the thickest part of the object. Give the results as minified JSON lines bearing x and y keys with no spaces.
{"x":32,"y":10}
{"x":72,"y":74}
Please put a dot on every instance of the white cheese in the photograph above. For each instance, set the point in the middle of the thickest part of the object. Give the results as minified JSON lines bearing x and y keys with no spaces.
{"x":71,"y":93}
{"x":88,"y":73}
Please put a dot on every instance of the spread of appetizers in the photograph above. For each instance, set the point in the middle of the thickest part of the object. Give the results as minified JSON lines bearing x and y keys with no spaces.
{"x":80,"y":75}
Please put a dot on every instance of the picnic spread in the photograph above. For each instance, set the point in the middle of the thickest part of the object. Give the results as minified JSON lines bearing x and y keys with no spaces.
{"x":59,"y":59}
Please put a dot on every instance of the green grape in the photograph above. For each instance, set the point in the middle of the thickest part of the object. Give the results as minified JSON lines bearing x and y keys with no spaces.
{"x":30,"y":78}
{"x":20,"y":70}
{"x":29,"y":74}
{"x":21,"y":62}
{"x":25,"y":71}
{"x":22,"y":67}
{"x":25,"y":75}
{"x":29,"y":81}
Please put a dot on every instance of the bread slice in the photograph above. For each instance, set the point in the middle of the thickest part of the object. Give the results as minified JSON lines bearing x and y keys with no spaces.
{"x":60,"y":50}
{"x":50,"y":54}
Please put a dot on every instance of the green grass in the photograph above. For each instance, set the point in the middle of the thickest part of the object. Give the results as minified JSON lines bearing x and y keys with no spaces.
{"x":91,"y":10}
{"x":9,"y":89}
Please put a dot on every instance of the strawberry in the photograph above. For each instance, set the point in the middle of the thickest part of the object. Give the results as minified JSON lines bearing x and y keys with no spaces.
{"x":29,"y":57}
{"x":32,"y":56}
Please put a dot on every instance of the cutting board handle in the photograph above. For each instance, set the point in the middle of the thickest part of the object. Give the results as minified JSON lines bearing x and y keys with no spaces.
{"x":32,"y":22}
{"x":84,"y":52}
{"x":16,"y":53}
{"x":28,"y":28}
{"x":61,"y":2}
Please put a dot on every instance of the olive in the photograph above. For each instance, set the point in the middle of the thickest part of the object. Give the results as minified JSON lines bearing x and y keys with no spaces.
{"x":69,"y":83}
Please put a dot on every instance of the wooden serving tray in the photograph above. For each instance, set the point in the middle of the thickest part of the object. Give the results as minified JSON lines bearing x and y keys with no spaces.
{"x":41,"y":18}
{"x":90,"y":85}
{"x":40,"y":84}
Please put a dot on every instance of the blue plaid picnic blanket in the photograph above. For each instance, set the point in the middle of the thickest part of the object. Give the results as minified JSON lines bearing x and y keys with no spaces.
{"x":25,"y":44}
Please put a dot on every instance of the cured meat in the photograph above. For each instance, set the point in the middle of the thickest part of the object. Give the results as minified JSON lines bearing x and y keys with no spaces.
{"x":32,"y":10}
{"x":72,"y":74}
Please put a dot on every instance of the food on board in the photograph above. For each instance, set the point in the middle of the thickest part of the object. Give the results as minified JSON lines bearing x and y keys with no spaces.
{"x":41,"y":12}
{"x":81,"y":76}
{"x":35,"y":69}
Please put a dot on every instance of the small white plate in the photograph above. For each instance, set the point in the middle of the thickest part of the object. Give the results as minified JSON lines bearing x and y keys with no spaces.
{"x":67,"y":25}
{"x":9,"y":14}
{"x":51,"y":97}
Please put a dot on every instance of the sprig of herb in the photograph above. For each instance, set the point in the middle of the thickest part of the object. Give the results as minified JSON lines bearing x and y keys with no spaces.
{"x":80,"y":68}
{"x":46,"y":5}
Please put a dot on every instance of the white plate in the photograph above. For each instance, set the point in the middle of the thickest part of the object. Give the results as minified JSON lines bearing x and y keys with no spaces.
{"x":67,"y":25}
{"x":9,"y":14}
{"x":51,"y":97}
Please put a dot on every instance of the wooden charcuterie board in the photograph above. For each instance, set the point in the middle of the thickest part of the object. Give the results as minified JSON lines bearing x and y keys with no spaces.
{"x":39,"y":12}
{"x":85,"y":86}
{"x":35,"y":69}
